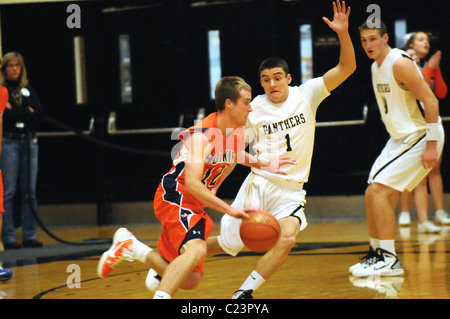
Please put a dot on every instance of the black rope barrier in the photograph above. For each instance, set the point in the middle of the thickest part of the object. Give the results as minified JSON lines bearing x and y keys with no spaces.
{"x":92,"y":241}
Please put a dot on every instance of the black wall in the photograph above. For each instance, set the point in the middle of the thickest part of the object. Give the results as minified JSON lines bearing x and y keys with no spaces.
{"x":170,"y":77}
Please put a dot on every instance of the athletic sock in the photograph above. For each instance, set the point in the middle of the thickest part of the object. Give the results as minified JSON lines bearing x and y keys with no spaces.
{"x":253,"y":281}
{"x":161,"y":295}
{"x":388,"y":245}
{"x":140,"y":251}
{"x":374,"y":243}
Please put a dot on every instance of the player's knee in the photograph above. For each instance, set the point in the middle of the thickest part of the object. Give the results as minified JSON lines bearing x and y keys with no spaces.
{"x":196,"y":248}
{"x":192,"y":281}
{"x":369,"y":194}
{"x":374,"y":190}
{"x":289,"y":230}
{"x":286,"y":242}
{"x":377,"y":191}
{"x":288,"y":239}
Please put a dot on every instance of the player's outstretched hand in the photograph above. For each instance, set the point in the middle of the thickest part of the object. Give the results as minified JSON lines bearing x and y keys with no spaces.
{"x":242,"y":212}
{"x":340,"y":19}
{"x":274,"y":166}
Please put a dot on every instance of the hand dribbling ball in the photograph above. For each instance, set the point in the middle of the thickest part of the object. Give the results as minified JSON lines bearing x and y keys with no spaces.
{"x":260,"y":232}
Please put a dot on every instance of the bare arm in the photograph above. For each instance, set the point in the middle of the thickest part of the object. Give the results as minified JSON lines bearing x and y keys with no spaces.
{"x":347,"y":61}
{"x":407,"y":75}
{"x":197,"y":146}
{"x":272,"y":166}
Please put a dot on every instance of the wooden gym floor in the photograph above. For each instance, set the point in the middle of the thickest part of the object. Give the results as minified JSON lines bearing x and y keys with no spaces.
{"x":317,"y":267}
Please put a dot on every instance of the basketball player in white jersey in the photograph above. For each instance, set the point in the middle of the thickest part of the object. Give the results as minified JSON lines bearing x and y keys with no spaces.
{"x":282,"y":124}
{"x":410,"y":112}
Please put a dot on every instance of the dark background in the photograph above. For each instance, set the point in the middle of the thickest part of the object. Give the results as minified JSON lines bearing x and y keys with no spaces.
{"x":169,"y":58}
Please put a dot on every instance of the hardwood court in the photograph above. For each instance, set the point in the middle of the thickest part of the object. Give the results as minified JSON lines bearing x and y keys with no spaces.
{"x":317,"y":268}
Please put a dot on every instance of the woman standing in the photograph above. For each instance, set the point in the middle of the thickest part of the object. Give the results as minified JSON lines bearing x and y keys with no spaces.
{"x":419,"y":42}
{"x":19,"y":158}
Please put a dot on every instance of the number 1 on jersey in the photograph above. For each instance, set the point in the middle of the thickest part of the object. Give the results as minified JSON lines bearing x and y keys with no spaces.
{"x":288,"y":143}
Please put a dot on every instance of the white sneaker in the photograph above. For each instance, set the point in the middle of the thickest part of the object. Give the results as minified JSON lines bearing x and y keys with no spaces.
{"x":442,"y":218}
{"x":404,"y":219}
{"x":152,"y":281}
{"x":428,"y":227}
{"x":367,"y":260}
{"x":121,"y":249}
{"x":386,"y":265}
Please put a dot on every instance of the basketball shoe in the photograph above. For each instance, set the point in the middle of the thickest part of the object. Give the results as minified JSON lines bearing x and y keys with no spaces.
{"x":404,"y":219}
{"x":442,"y":217}
{"x":428,"y":227}
{"x":5,"y":274}
{"x":153,"y":280}
{"x":242,"y":294}
{"x":387,"y":264}
{"x":367,"y":260}
{"x":120,"y":250}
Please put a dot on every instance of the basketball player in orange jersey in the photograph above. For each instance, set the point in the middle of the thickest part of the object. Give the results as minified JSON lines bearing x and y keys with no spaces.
{"x":5,"y":274}
{"x":209,"y":151}
{"x":410,"y":113}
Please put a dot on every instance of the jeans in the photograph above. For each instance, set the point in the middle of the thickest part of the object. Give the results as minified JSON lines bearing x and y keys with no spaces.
{"x":15,"y":165}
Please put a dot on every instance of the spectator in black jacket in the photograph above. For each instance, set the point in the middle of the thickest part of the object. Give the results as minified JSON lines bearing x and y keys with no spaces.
{"x":19,"y":158}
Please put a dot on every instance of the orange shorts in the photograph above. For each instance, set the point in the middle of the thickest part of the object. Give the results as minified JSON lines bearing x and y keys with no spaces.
{"x":2,"y":209}
{"x":177,"y":221}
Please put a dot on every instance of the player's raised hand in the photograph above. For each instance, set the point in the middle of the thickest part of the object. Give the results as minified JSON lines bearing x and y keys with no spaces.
{"x":340,"y":19}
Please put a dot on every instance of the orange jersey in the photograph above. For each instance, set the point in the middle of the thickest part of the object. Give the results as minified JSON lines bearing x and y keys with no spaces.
{"x":4,"y":96}
{"x":435,"y":80}
{"x":176,"y":209}
{"x":223,"y":154}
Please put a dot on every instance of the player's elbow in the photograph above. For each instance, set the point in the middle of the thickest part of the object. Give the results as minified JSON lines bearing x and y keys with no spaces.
{"x":346,"y":70}
{"x":349,"y":69}
{"x":189,"y":186}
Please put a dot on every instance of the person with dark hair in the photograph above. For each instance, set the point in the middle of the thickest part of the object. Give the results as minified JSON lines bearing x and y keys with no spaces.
{"x":19,"y":159}
{"x":282,"y":124}
{"x":410,"y":112}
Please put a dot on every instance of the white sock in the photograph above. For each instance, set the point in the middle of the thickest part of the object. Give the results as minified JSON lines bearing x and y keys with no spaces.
{"x":253,"y":281}
{"x":161,"y":295}
{"x":140,"y":251}
{"x":374,"y":243}
{"x":388,"y":244}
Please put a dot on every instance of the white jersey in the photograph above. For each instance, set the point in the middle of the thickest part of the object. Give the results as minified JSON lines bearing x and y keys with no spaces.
{"x":286,"y":130}
{"x":401,"y":112}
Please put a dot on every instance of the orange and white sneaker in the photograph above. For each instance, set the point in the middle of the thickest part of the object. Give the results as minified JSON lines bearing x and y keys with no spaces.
{"x":121,"y":249}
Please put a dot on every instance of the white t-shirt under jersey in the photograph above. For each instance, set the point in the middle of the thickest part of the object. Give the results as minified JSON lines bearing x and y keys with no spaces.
{"x":286,"y":130}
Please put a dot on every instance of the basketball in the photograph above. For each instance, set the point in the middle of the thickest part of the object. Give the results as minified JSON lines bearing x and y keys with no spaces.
{"x":260,"y":232}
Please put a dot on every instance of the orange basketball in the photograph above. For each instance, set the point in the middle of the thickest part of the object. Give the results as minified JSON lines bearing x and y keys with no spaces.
{"x":260,"y":232}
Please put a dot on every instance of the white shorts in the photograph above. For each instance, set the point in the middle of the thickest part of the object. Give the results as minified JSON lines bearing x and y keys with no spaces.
{"x":400,"y":163}
{"x":257,"y":191}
